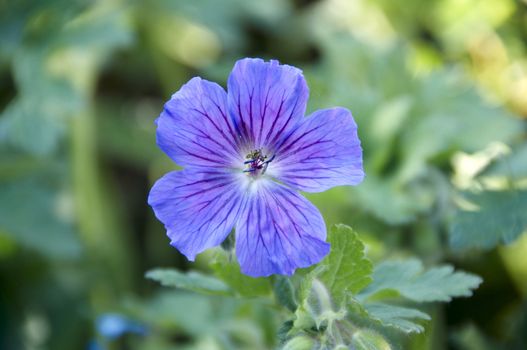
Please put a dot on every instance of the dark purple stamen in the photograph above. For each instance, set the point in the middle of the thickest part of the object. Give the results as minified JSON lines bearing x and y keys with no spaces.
{"x":257,"y":163}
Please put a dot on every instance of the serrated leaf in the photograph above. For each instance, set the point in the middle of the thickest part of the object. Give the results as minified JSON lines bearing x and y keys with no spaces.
{"x":229,"y":271}
{"x":193,"y":281}
{"x":382,"y":315}
{"x":347,"y":269}
{"x":410,"y":280}
{"x":397,"y":316}
{"x":499,"y":216}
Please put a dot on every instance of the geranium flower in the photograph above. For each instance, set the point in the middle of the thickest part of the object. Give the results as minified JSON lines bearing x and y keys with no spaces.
{"x":246,"y":155}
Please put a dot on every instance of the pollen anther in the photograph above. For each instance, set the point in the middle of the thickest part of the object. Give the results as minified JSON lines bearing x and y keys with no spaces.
{"x":257,"y":162}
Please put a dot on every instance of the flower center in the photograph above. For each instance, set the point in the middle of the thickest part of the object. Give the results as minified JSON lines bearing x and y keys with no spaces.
{"x":256,"y":163}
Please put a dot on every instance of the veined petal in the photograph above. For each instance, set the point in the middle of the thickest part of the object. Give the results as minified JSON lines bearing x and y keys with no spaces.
{"x":323,"y":152}
{"x":265,"y":100}
{"x":198,"y":208}
{"x":279,"y":231}
{"x":194,"y":128}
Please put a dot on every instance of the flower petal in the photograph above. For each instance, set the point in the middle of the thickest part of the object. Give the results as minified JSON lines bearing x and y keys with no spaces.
{"x":194,"y":128}
{"x":279,"y":231}
{"x":323,"y":152}
{"x":265,"y":100}
{"x":199,"y":209}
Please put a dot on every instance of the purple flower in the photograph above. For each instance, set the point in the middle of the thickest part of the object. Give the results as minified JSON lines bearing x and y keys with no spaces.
{"x":246,"y":155}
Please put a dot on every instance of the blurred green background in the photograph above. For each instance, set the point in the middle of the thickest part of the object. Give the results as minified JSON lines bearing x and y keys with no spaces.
{"x":439,"y":91}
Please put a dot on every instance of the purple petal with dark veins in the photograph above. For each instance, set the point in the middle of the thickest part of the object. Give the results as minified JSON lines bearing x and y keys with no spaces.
{"x":279,"y":231}
{"x":194,"y":128}
{"x":198,"y":208}
{"x":323,"y":152}
{"x":266,"y":100}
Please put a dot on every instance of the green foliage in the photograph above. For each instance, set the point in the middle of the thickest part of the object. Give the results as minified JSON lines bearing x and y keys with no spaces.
{"x":335,"y":315}
{"x":333,"y":301}
{"x":299,"y":343}
{"x":284,"y":292}
{"x":117,"y":125}
{"x":207,"y":319}
{"x":369,"y":340}
{"x":345,"y":268}
{"x":401,"y":318}
{"x":228,"y":270}
{"x":491,"y":198}
{"x":54,"y":98}
{"x":494,"y":217}
{"x":82,"y":82}
{"x":48,"y":93}
{"x":417,"y":122}
{"x":513,"y":165}
{"x":193,"y":281}
{"x":410,"y":280}
{"x":197,"y":318}
{"x":42,"y":221}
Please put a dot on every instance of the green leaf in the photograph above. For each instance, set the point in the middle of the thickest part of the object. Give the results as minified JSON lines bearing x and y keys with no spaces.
{"x":383,"y":316}
{"x":36,"y":213}
{"x":301,"y":342}
{"x":196,"y":317}
{"x":117,"y":128}
{"x":284,"y":292}
{"x":499,"y":216}
{"x":513,"y":166}
{"x":452,"y":116}
{"x":193,"y":281}
{"x":405,"y":201}
{"x":441,"y":115}
{"x":228,"y":270}
{"x":193,"y":313}
{"x":347,"y":269}
{"x":309,"y":302}
{"x":366,"y":339}
{"x":283,"y":331}
{"x":101,"y":28}
{"x":397,"y":317}
{"x":409,"y":279}
{"x":326,"y":293}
